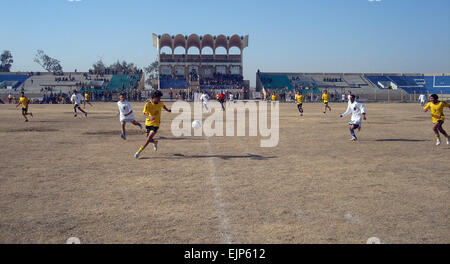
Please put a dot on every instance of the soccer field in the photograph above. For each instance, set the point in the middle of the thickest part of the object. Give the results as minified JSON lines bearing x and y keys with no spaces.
{"x":64,"y":177}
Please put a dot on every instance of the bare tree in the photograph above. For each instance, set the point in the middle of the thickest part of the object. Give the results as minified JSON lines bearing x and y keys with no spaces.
{"x":48,"y":63}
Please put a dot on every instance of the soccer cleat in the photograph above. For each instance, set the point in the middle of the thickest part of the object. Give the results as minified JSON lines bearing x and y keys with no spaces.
{"x":448,"y":141}
{"x":354,"y":139}
{"x":31,"y":114}
{"x":438,"y":143}
{"x":75,"y":115}
{"x":85,"y":114}
{"x":140,"y":126}
{"x":123,"y":136}
{"x":137,"y":155}
{"x":26,"y":120}
{"x":155,"y":146}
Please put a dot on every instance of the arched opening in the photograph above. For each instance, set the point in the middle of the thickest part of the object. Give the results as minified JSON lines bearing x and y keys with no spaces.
{"x":179,"y":50}
{"x":235,"y":51}
{"x":221,"y":51}
{"x":207,"y":51}
{"x":193,"y":51}
{"x":166,"y":50}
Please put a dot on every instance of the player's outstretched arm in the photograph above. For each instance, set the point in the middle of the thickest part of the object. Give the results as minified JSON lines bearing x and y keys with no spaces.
{"x":346,"y":112}
{"x":168,"y":110}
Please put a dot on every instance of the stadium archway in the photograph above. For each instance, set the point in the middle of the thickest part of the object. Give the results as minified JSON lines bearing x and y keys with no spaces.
{"x":207,"y":51}
{"x":179,"y":50}
{"x":234,"y":51}
{"x":193,"y":50}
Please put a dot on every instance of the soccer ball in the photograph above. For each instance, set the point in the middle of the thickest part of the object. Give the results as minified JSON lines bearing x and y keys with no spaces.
{"x":196,"y":124}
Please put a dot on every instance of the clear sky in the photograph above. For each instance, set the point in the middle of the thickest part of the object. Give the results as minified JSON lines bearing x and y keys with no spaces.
{"x":285,"y":35}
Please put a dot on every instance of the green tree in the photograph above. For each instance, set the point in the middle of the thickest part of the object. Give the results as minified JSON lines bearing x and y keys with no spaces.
{"x":123,"y":67}
{"x":99,"y":66}
{"x":6,"y":61}
{"x":48,"y":63}
{"x":152,"y":72}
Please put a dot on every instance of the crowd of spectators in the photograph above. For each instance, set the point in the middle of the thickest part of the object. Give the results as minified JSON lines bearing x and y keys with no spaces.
{"x":332,"y":79}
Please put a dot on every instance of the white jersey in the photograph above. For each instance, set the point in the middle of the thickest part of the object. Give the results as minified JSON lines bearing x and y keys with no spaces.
{"x":9,"y":96}
{"x":231,"y":97}
{"x":125,"y":108}
{"x":356,"y":109}
{"x":204,"y":98}
{"x":422,"y":98}
{"x":77,"y":98}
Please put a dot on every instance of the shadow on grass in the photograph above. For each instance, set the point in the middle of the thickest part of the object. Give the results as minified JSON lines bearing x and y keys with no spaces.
{"x":224,"y":157}
{"x":400,"y":140}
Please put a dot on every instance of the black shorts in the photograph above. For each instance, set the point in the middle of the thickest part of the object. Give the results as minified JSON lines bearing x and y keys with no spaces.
{"x":300,"y":105}
{"x":325,"y":103}
{"x":24,"y":110}
{"x":151,"y":128}
{"x":76,"y":106}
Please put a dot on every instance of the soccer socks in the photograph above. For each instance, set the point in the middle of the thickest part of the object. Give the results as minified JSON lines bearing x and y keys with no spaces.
{"x":352,"y":132}
{"x":141,"y":149}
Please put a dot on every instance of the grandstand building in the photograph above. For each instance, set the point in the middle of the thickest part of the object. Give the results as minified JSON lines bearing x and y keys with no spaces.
{"x":385,"y":85}
{"x":40,"y":84}
{"x":201,"y":70}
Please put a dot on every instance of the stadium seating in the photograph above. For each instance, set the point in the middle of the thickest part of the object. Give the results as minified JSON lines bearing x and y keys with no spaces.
{"x":123,"y":82}
{"x":273,"y":82}
{"x":167,"y":83}
{"x":12,"y":80}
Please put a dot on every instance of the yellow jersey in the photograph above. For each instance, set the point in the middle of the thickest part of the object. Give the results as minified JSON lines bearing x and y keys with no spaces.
{"x":299,"y":98}
{"x":325,"y":98}
{"x":24,"y":101}
{"x":437,"y":111}
{"x":274,"y":97}
{"x":86,"y":97}
{"x":153,"y":110}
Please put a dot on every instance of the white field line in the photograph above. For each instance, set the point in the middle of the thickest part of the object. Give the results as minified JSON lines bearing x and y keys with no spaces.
{"x":220,"y":207}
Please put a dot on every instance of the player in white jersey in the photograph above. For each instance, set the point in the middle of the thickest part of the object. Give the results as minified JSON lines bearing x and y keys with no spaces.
{"x":126,"y":115}
{"x":77,"y":99}
{"x":422,"y":99}
{"x":358,"y":112}
{"x":204,"y":98}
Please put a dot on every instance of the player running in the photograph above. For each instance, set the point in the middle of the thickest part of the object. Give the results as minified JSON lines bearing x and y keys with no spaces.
{"x":204,"y":99}
{"x":422,"y":99}
{"x":326,"y":97}
{"x":152,"y":112}
{"x":87,"y":99}
{"x":126,"y":115}
{"x":437,"y":116}
{"x":299,"y":98}
{"x":24,"y":101}
{"x":358,"y":112}
{"x":76,"y":100}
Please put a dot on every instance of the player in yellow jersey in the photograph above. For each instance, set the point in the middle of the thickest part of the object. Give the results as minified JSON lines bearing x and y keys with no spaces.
{"x":299,"y":98}
{"x":152,"y":112}
{"x":87,"y":98}
{"x":437,"y":116}
{"x":326,"y":97}
{"x":274,"y":98}
{"x":24,"y":101}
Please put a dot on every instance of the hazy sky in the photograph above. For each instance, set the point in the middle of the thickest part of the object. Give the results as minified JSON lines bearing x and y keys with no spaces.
{"x":294,"y":36}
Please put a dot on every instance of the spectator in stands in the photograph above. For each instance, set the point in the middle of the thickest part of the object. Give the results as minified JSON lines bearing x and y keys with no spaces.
{"x":9,"y":98}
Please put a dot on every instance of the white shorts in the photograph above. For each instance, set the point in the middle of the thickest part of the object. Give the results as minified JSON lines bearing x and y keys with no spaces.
{"x":127,"y":119}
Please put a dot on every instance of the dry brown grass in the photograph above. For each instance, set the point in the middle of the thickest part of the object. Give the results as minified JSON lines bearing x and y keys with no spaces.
{"x":63,"y":177}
